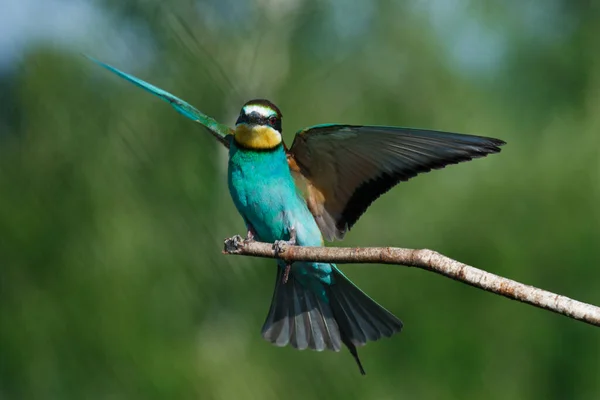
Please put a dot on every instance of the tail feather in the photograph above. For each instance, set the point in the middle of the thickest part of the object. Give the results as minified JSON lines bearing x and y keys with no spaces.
{"x":301,"y":334}
{"x":303,"y":319}
{"x":324,"y":315}
{"x":279,"y":333}
{"x":298,"y":317}
{"x":367,"y":320}
{"x":318,"y":328}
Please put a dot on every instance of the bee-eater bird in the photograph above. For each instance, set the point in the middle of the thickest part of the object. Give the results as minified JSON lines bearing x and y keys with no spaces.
{"x":318,"y":188}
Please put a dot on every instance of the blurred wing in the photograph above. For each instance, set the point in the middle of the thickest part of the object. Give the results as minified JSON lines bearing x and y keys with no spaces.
{"x":342,"y":169}
{"x":218,"y":130}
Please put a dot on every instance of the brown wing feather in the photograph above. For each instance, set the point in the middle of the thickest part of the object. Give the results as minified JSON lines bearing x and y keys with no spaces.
{"x":342,"y":169}
{"x":315,"y":199}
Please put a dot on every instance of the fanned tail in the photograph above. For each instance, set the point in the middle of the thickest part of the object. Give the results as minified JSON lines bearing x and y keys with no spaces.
{"x":300,"y":317}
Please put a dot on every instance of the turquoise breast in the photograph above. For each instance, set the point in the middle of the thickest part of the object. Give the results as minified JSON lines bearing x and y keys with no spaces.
{"x":264,"y":192}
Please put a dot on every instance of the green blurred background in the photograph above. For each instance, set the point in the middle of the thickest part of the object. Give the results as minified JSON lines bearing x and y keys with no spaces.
{"x":113,"y":208}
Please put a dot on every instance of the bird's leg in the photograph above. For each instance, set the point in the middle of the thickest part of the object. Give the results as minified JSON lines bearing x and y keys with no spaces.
{"x":278,"y":247}
{"x":286,"y":273}
{"x":250,"y":234}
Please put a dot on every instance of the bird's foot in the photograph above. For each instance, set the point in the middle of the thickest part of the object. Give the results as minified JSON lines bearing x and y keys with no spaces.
{"x":233,"y":245}
{"x":279,"y":245}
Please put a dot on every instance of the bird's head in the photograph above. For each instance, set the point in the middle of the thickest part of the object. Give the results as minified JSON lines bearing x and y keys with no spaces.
{"x":259,"y":125}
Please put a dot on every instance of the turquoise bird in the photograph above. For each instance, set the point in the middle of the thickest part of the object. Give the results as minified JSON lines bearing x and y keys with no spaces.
{"x":316,"y":189}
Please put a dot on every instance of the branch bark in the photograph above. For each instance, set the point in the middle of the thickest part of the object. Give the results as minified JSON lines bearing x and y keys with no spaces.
{"x":425,"y":259}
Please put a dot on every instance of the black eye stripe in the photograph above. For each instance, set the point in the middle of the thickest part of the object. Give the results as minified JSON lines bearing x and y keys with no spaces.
{"x":256,"y":118}
{"x":242,"y":119}
{"x":261,"y":120}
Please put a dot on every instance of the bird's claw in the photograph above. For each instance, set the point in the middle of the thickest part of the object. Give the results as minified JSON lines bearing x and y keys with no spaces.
{"x":279,"y":245}
{"x":233,"y":245}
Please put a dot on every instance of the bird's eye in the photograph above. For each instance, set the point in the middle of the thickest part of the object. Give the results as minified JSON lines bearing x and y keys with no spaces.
{"x":272,"y":120}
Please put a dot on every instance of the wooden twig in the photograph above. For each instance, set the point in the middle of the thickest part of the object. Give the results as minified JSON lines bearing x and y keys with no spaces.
{"x":425,"y":259}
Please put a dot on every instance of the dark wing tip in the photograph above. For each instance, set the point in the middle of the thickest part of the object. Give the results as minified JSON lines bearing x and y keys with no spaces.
{"x":369,"y":191}
{"x":497,"y":142}
{"x":489,"y":145}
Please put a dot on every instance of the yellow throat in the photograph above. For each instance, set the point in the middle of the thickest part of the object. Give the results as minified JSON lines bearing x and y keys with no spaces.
{"x":257,"y":137}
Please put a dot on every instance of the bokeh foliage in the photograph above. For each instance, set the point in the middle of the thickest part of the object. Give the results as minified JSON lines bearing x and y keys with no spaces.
{"x":113,"y":207}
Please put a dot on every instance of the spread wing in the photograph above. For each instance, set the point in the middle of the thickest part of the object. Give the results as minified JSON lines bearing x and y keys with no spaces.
{"x":342,"y":169}
{"x":219,"y":131}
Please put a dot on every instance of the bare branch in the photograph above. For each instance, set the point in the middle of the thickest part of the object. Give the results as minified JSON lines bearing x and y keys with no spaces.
{"x":425,"y":259}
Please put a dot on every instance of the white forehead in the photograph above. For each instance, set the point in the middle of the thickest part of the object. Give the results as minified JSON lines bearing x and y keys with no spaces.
{"x":260,"y":110}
